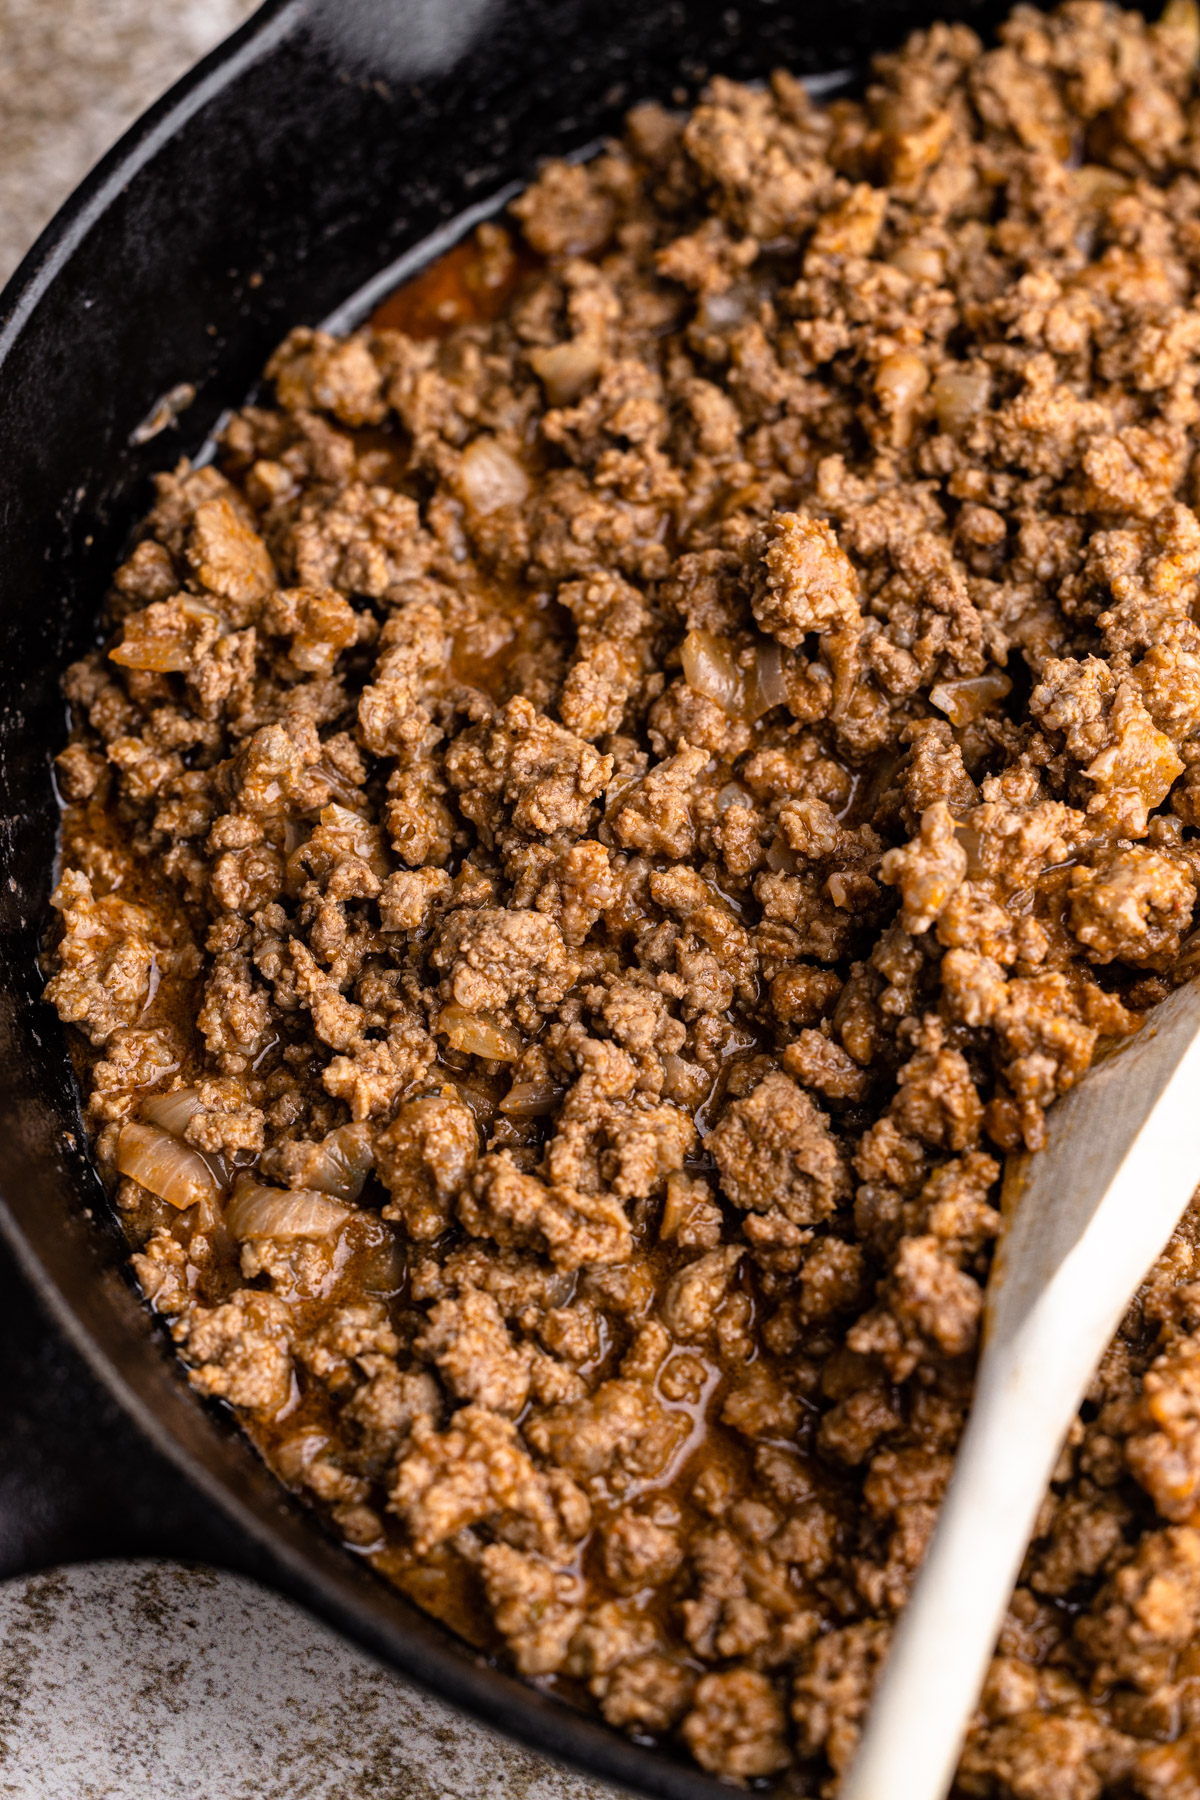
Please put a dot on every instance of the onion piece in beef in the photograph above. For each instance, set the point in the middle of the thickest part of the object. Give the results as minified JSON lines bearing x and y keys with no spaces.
{"x":341,"y":789}
{"x":920,"y":262}
{"x":900,"y":381}
{"x":260,"y":1212}
{"x":966,"y":699}
{"x":531,"y":1099}
{"x":172,"y":1112}
{"x":734,"y":793}
{"x":490,"y":477}
{"x":710,"y":668}
{"x":339,"y":1164}
{"x":723,"y":310}
{"x":565,"y":370}
{"x":165,"y":1166}
{"x":477,"y":1035}
{"x":770,"y":681}
{"x":958,"y":396}
{"x":163,"y":638}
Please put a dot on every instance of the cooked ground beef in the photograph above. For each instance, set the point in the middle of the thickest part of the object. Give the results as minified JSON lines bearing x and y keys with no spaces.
{"x":603,"y":816}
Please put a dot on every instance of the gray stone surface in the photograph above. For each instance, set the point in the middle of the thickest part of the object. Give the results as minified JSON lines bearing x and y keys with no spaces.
{"x":156,"y":1681}
{"x":151,"y":1681}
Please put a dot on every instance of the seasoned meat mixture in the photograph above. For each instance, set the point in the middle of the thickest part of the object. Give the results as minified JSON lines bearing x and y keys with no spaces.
{"x":601,"y":819}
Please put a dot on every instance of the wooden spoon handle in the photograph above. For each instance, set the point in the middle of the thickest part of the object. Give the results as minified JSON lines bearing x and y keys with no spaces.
{"x":1101,"y":1200}
{"x":943,"y":1644}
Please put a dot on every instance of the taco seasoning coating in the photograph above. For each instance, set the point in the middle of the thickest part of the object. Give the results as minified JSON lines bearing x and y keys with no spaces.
{"x":628,"y":788}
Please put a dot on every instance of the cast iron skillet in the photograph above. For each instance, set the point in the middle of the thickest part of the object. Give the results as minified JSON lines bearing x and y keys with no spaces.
{"x":317,"y":146}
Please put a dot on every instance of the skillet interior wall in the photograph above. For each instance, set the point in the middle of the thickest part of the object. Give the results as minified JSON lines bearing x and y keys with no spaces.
{"x":308,"y":173}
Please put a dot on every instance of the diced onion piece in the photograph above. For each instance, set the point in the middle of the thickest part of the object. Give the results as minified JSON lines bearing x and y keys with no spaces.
{"x":336,"y":782}
{"x":160,"y":655}
{"x":685,"y":1082}
{"x":477,"y":1035}
{"x":168,"y":1168}
{"x":734,"y":793}
{"x":770,"y":681}
{"x":710,"y":668}
{"x":781,"y":857}
{"x":966,"y":699}
{"x":684,"y":1200}
{"x":480,"y":1105}
{"x":900,"y":380}
{"x":298,"y":1453}
{"x":169,"y":648}
{"x":490,"y":477}
{"x":920,"y":262}
{"x":721,"y":311}
{"x":341,"y":1162}
{"x":565,"y":370}
{"x":261,"y":1212}
{"x":172,"y":1112}
{"x":349,"y":830}
{"x":531,"y":1099}
{"x":959,"y":395}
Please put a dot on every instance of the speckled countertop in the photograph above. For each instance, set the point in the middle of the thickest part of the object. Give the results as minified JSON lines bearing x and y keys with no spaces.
{"x":168,"y":1682}
{"x":151,"y":1680}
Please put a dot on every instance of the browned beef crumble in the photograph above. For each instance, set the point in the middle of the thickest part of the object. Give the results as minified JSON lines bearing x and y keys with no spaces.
{"x":626,"y":791}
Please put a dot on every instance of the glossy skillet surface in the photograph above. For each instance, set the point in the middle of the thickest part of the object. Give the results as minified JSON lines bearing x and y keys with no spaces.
{"x":311,"y":151}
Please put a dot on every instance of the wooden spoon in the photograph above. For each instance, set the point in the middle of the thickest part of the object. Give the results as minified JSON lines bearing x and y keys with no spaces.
{"x":1085,"y":1220}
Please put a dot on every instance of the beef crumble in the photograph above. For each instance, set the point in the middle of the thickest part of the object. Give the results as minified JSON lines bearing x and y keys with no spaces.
{"x":602,"y":818}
